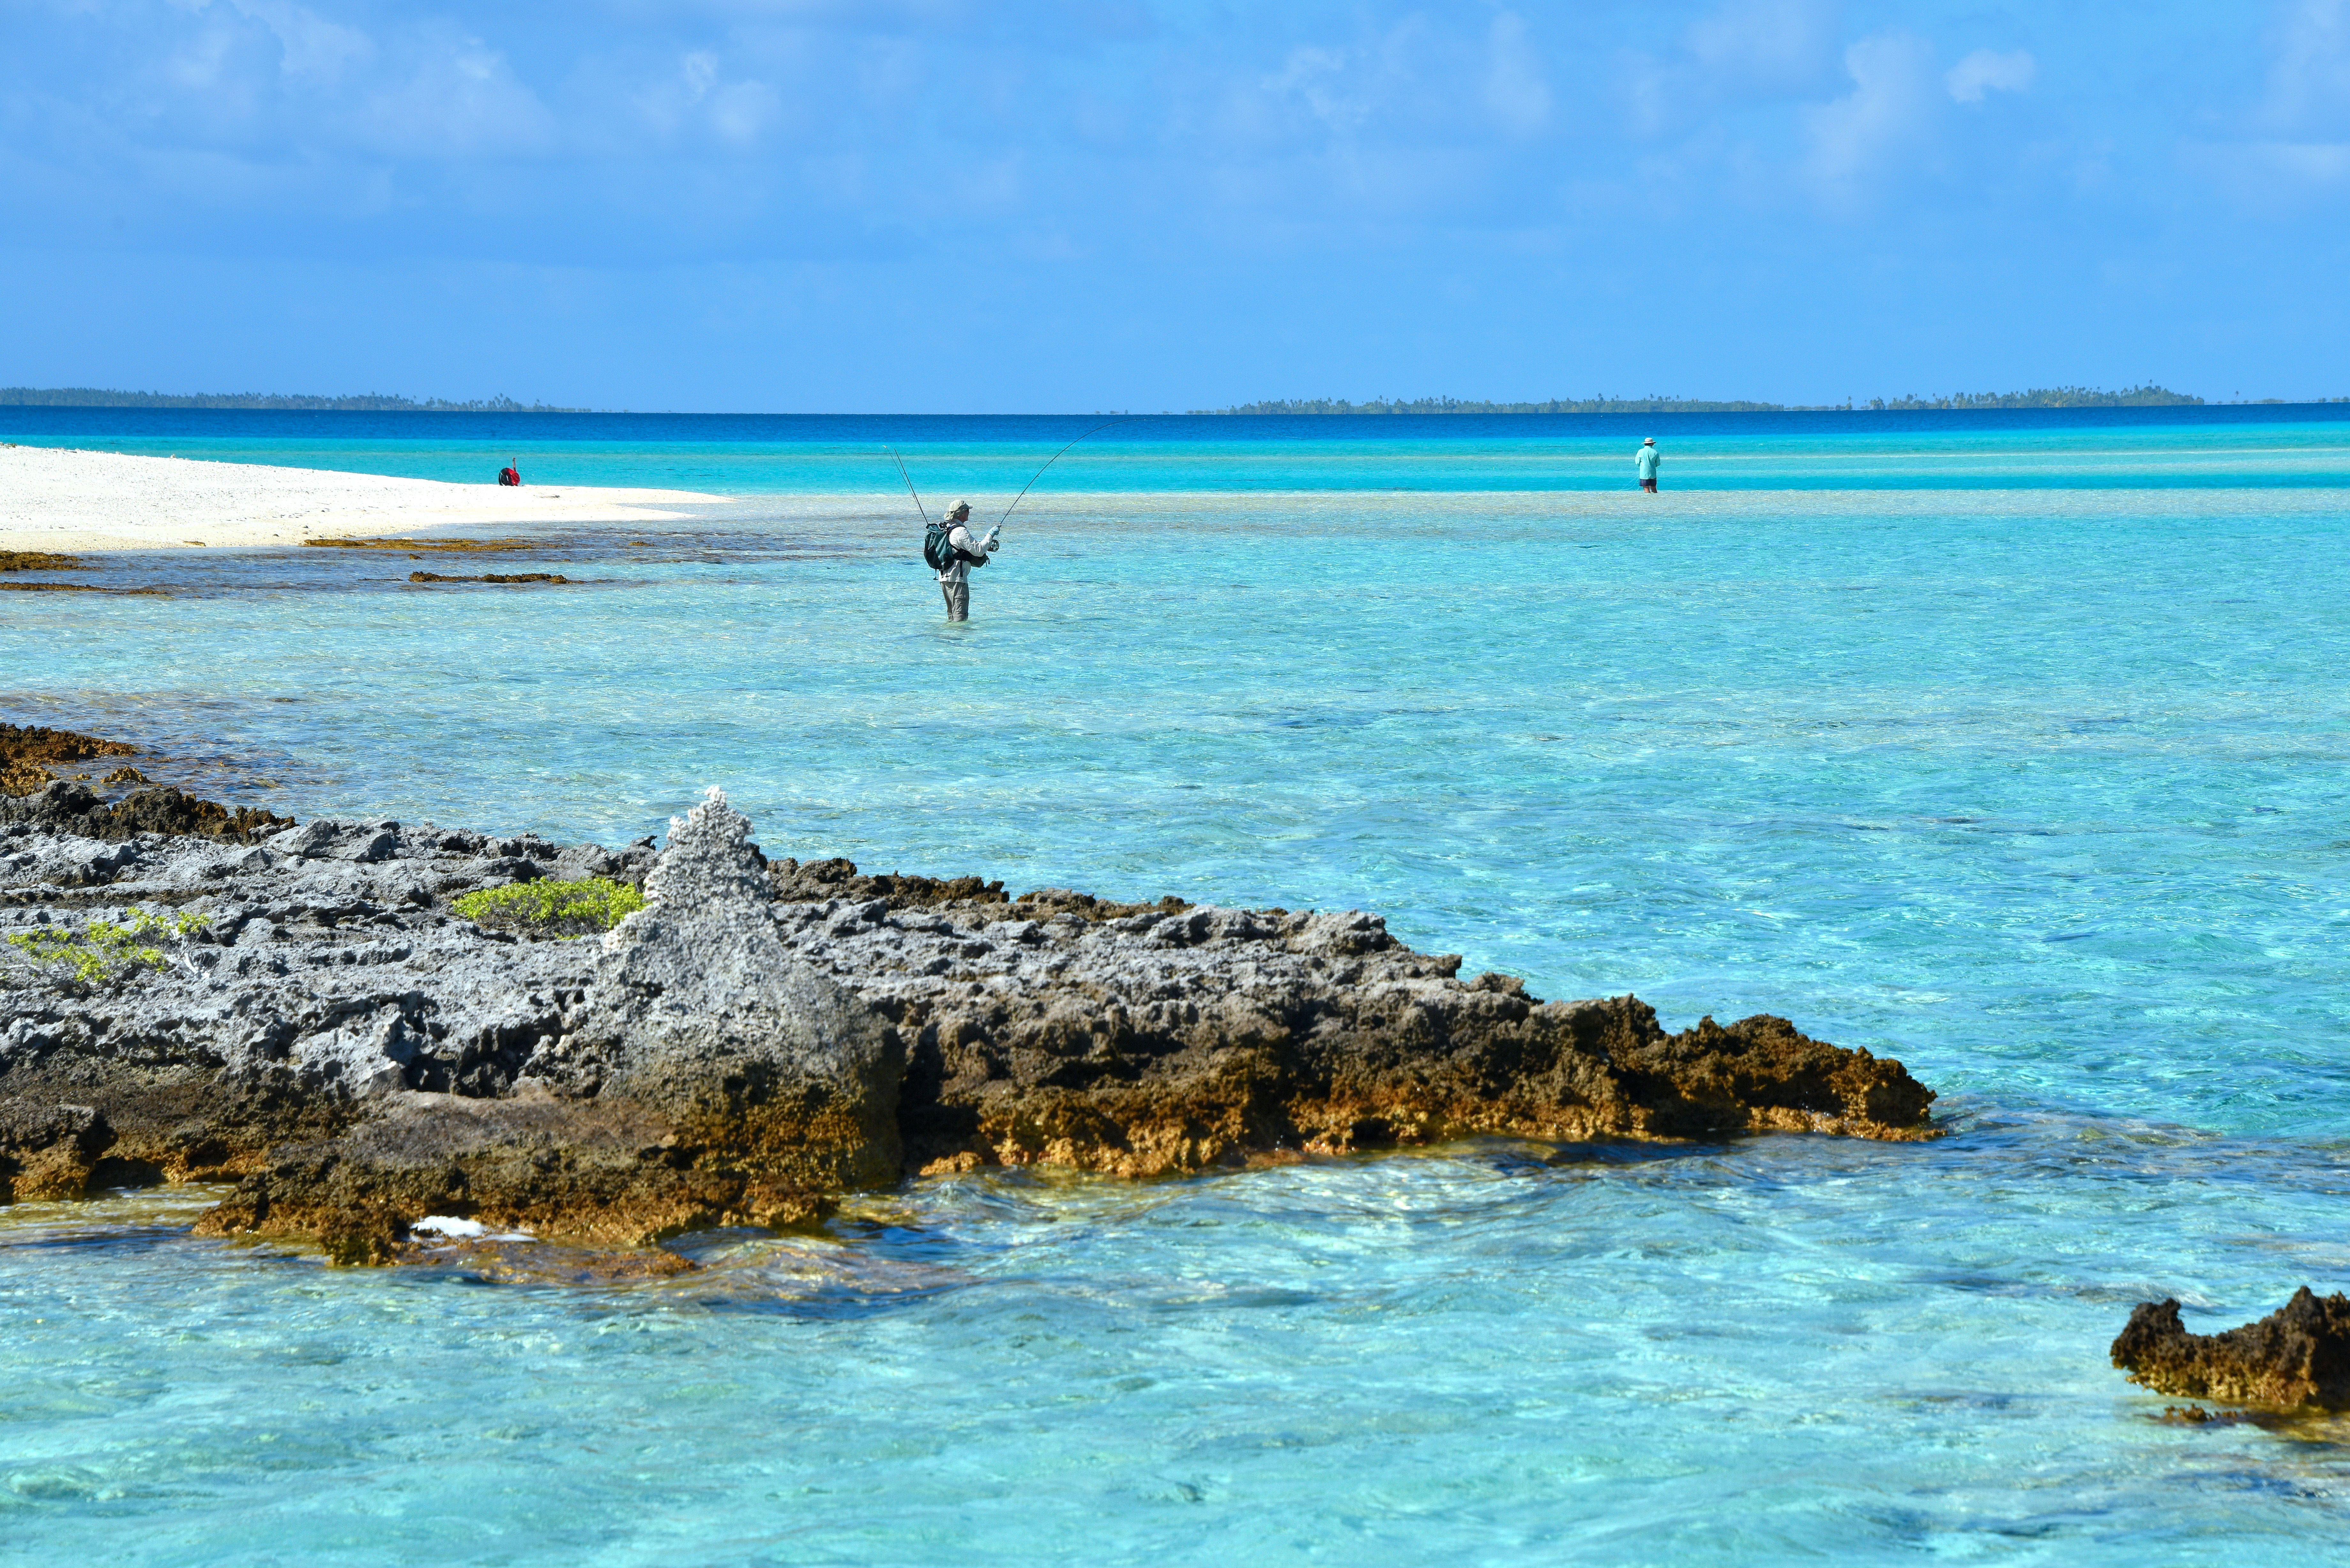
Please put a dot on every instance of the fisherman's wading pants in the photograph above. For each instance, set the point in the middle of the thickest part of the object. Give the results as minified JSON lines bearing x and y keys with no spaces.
{"x":958,"y":598}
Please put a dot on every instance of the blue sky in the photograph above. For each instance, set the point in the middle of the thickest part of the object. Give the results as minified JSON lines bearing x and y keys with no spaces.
{"x":1024,"y":205}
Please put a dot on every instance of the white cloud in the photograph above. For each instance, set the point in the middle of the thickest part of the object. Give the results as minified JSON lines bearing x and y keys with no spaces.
{"x":2309,"y":69}
{"x":1516,"y":90}
{"x":1886,"y":112}
{"x":1739,"y":51}
{"x":460,"y":99}
{"x":1766,"y":43}
{"x":1988,"y":70}
{"x":309,"y":44}
{"x":740,"y":110}
{"x":1319,"y":76}
{"x":2296,"y":137}
{"x":2311,"y":162}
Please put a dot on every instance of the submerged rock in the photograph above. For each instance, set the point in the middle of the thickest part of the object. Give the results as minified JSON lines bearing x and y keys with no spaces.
{"x":306,"y":1014}
{"x":74,"y":810}
{"x":36,"y":561}
{"x":28,"y":752}
{"x":2296,"y":1357}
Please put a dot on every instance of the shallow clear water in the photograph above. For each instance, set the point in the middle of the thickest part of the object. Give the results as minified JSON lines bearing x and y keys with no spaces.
{"x":2036,"y":787}
{"x":2233,"y":447}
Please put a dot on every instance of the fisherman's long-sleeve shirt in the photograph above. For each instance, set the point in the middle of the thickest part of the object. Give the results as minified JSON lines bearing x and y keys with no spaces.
{"x":968,"y":555}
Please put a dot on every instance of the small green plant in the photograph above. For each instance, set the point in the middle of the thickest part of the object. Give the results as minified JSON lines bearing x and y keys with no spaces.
{"x":102,"y":951}
{"x":553,"y":909}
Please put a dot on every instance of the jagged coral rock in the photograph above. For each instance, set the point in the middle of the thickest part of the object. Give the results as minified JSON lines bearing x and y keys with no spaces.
{"x":2298,"y":1356}
{"x":28,"y":752}
{"x":72,"y":809}
{"x":48,"y":1150}
{"x":760,"y":1037}
{"x":699,"y":1008}
{"x":702,"y":1076}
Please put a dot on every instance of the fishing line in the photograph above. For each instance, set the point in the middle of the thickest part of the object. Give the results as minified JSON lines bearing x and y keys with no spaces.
{"x":1049,"y":462}
{"x":1122,"y":419}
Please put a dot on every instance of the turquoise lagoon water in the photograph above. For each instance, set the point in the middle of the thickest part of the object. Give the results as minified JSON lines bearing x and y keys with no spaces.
{"x":2230,"y":448}
{"x":1941,"y":738}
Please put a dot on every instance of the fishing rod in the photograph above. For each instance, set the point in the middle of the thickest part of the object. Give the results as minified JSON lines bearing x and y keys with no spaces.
{"x":1049,"y":462}
{"x":910,"y":482}
{"x":1122,"y":419}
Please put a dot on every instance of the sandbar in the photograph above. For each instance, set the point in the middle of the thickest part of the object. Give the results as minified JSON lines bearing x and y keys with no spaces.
{"x":63,"y":500}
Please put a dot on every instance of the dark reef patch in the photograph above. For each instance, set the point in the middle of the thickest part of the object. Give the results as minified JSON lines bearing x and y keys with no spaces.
{"x":2297,"y":1357}
{"x":37,"y":561}
{"x":489,"y":578}
{"x":507,"y":547}
{"x":28,"y":752}
{"x":83,"y":588}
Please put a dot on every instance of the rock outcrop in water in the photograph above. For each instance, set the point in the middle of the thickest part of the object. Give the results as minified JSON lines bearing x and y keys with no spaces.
{"x":2297,"y":1357}
{"x":307,"y":1015}
{"x":28,"y":752}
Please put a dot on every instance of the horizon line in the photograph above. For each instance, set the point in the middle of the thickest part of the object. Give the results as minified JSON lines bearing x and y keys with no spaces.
{"x":2057,"y":399}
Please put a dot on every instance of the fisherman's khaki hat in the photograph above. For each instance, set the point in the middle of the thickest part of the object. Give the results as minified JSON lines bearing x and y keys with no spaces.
{"x":960,"y":508}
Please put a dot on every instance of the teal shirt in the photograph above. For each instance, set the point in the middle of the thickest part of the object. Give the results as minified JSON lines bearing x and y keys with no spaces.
{"x":1646,"y":462}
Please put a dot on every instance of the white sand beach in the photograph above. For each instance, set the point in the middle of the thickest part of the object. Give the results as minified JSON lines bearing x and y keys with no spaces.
{"x":63,"y":500}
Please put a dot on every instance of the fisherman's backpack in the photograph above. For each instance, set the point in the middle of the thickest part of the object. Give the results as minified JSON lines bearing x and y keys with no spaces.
{"x":936,"y":551}
{"x":942,"y":555}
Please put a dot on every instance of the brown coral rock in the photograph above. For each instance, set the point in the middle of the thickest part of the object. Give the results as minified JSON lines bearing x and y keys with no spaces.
{"x":28,"y":752}
{"x":49,"y":1151}
{"x":762,"y":1036}
{"x":607,"y":1172}
{"x":2296,"y":1357}
{"x":1162,"y":1041}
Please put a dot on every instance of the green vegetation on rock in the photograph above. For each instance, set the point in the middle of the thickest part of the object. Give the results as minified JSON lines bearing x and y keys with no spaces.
{"x":553,"y":909}
{"x":103,"y":950}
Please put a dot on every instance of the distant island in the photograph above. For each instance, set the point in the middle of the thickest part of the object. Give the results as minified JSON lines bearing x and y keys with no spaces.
{"x":1479,"y":406}
{"x":370,"y":403}
{"x":2148,"y":395}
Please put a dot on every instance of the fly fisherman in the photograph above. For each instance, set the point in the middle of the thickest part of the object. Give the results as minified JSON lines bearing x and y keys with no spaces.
{"x":1646,"y":463}
{"x":951,"y":551}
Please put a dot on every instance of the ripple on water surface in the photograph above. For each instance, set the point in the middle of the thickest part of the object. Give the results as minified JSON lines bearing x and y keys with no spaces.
{"x":1780,"y":1348}
{"x":2037,"y":790}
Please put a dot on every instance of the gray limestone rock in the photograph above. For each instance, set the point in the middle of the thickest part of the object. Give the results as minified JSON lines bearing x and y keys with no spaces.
{"x":699,"y":1008}
{"x":309,"y":1015}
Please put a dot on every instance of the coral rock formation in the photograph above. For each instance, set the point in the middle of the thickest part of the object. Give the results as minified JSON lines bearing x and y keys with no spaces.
{"x":29,"y":752}
{"x":2296,"y":1357}
{"x":36,"y":561}
{"x":315,"y":1020}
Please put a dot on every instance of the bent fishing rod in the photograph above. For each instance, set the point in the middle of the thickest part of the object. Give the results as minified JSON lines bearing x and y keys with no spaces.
{"x":1049,"y":462}
{"x":1122,"y":419}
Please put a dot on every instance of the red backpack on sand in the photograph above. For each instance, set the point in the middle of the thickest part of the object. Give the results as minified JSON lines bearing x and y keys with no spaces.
{"x":509,"y":476}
